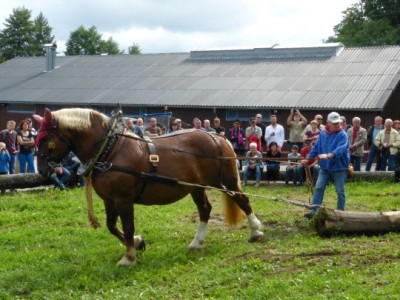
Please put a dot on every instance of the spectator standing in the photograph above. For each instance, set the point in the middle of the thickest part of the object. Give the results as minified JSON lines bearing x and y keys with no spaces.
{"x":296,"y":123}
{"x":291,"y":169}
{"x":357,"y":138}
{"x":26,"y":144}
{"x":388,"y":141}
{"x":152,"y":130}
{"x":4,"y":161}
{"x":374,"y":151}
{"x":313,"y":133}
{"x":311,"y":163}
{"x":218,"y":128}
{"x":320,"y":123}
{"x":344,"y":124}
{"x":253,"y":134}
{"x":275,"y":133}
{"x":273,"y":162}
{"x":138,"y":128}
{"x":396,"y":125}
{"x":129,"y":125}
{"x":197,"y":124}
{"x":332,"y":149}
{"x":173,"y":127}
{"x":9,"y":137}
{"x":207,"y":126}
{"x":236,"y":137}
{"x":260,"y":124}
{"x":179,"y":123}
{"x":253,"y":163}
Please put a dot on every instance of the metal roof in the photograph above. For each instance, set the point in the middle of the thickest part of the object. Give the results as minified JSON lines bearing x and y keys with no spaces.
{"x":323,"y":77}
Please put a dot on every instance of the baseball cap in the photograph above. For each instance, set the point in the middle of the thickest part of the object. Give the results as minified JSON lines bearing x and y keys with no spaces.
{"x":308,"y":141}
{"x":334,"y":117}
{"x":295,"y":147}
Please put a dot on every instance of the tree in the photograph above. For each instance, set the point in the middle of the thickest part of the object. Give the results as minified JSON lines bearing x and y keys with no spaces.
{"x":369,"y":23}
{"x":110,"y":47}
{"x":17,"y":37}
{"x":89,"y":42}
{"x":134,"y":49}
{"x":41,"y":35}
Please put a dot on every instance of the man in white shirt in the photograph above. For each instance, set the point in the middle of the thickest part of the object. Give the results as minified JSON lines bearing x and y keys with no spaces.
{"x":275,"y":133}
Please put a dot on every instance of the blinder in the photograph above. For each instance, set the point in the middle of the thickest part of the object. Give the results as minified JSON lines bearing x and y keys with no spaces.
{"x":51,"y":144}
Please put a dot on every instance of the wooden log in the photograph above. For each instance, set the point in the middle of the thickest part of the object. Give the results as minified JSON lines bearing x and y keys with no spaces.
{"x":331,"y":221}
{"x":22,"y":181}
{"x":359,"y":175}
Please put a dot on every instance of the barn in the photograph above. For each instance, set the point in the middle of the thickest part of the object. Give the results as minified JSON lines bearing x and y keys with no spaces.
{"x":228,"y":83}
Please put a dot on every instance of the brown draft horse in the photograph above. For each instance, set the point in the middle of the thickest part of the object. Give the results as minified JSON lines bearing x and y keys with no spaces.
{"x":119,"y":169}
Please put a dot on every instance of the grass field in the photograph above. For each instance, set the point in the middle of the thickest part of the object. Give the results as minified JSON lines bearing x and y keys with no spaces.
{"x":48,"y":250}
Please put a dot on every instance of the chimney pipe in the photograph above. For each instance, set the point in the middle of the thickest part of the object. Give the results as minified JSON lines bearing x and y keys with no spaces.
{"x":50,"y":50}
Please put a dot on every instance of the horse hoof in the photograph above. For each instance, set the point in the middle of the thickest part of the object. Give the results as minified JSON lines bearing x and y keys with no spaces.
{"x":126,"y":262}
{"x":195,"y":246}
{"x":257,"y":236}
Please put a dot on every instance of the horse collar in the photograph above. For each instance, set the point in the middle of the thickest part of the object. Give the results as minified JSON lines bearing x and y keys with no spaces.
{"x":109,"y":140}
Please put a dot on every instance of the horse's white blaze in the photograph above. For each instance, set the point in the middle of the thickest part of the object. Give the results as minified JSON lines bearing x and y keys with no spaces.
{"x":254,"y":224}
{"x":199,"y":237}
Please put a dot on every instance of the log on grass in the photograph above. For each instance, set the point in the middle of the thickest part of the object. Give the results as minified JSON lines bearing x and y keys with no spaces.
{"x":22,"y":181}
{"x":330,"y":222}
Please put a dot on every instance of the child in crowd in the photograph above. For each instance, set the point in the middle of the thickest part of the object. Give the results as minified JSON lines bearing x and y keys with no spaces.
{"x":291,"y":169}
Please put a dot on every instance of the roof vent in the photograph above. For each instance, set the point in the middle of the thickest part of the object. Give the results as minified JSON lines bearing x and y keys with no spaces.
{"x":50,"y":54}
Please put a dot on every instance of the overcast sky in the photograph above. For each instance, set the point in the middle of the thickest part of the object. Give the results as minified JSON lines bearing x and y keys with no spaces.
{"x":160,"y":26}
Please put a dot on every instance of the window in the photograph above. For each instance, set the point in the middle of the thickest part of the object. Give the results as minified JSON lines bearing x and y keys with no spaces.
{"x":21,"y":108}
{"x":244,"y":115}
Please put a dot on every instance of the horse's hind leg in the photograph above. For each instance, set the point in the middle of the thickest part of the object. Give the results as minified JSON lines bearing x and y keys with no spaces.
{"x":204,"y":207}
{"x":243,"y":203}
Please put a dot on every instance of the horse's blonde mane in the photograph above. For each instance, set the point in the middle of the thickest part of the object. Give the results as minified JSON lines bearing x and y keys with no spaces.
{"x":76,"y":118}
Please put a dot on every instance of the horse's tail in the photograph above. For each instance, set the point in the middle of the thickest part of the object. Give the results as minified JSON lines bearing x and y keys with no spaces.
{"x":89,"y":202}
{"x":232,"y":212}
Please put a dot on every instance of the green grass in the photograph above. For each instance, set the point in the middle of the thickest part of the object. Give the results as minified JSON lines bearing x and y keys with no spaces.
{"x":48,"y":250}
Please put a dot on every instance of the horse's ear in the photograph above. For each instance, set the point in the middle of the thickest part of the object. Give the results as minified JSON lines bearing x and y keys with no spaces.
{"x":47,"y":115}
{"x":37,"y":118}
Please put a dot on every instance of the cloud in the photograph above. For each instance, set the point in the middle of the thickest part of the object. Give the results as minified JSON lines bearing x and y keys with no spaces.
{"x":182,"y":25}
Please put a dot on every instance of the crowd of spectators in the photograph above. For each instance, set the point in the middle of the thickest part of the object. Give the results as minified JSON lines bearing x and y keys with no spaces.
{"x":17,"y":147}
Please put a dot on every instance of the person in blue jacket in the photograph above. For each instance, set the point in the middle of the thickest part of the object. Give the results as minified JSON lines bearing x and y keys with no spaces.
{"x":332,"y":149}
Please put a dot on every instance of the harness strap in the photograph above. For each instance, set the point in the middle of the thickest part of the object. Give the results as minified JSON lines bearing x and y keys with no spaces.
{"x":153,"y":156}
{"x":150,"y":178}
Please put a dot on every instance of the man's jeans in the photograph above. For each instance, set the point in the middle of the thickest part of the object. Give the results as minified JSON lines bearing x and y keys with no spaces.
{"x":258,"y":169}
{"x":373,"y":153}
{"x":356,"y":162}
{"x":60,"y":180}
{"x":339,"y":178}
{"x":388,"y":160}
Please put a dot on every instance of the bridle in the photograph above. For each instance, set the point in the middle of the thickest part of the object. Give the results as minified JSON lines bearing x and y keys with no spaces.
{"x":51,"y":144}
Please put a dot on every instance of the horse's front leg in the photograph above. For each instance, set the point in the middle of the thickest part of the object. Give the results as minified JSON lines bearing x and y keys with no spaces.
{"x":131,"y":242}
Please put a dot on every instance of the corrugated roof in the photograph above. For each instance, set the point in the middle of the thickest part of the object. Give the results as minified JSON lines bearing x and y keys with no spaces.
{"x":327,"y":77}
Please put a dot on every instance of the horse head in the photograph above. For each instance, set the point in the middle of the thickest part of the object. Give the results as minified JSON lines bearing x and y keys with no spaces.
{"x":50,"y":143}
